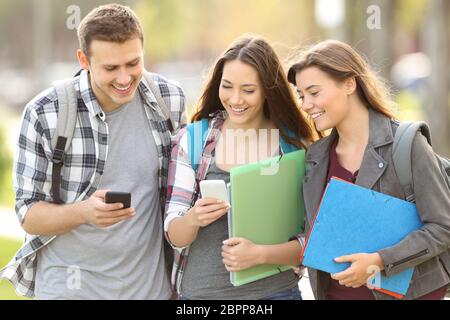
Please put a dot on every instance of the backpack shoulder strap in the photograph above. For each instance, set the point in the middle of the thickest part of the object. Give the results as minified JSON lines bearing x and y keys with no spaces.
{"x":285,"y":146}
{"x":61,"y":140}
{"x":196,"y":140}
{"x":148,"y":76}
{"x":401,"y":153}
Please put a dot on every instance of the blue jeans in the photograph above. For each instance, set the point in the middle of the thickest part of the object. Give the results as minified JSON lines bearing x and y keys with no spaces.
{"x":290,"y":294}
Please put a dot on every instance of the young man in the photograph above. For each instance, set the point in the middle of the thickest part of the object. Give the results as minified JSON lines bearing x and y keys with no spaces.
{"x":121,"y":142}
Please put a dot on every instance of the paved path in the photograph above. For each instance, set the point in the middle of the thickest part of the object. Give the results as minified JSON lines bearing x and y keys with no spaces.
{"x":305,"y":288}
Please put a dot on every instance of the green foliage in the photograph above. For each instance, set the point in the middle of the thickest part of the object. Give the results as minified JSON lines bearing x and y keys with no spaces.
{"x":410,"y":14}
{"x":199,"y":28}
{"x":409,"y":107}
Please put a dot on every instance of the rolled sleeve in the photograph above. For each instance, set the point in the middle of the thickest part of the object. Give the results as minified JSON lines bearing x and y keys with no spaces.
{"x":181,"y":183}
{"x":31,"y":165}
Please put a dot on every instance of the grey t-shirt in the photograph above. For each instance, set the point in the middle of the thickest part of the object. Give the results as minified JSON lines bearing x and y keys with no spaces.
{"x":205,"y":276}
{"x":126,"y":260}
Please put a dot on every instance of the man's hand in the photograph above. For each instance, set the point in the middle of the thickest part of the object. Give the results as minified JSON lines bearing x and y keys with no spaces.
{"x":95,"y":211}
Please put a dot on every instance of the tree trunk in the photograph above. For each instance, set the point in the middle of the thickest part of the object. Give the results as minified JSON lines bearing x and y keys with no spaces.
{"x":436,"y":44}
{"x":381,"y":53}
{"x":42,"y":42}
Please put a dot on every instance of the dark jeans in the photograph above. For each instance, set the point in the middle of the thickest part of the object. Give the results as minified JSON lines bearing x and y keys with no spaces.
{"x":290,"y":294}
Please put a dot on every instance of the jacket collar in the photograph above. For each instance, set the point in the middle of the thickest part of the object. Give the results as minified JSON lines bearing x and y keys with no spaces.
{"x":380,"y":134}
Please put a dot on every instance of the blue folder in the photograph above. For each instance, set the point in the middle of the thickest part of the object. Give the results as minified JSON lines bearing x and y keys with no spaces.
{"x":352,"y":219}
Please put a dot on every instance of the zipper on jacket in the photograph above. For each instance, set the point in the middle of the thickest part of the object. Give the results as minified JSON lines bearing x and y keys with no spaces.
{"x":412,"y":257}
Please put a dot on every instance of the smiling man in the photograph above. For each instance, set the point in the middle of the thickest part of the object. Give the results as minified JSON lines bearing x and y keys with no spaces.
{"x":82,"y":247}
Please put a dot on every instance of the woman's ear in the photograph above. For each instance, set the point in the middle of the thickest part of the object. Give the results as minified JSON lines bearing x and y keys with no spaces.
{"x":350,"y":85}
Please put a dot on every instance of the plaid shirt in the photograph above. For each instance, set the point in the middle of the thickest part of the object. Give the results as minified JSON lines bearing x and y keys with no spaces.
{"x":83,"y":163}
{"x":183,"y":186}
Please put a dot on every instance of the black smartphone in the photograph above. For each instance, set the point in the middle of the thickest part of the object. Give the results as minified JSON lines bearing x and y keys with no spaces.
{"x":115,"y":197}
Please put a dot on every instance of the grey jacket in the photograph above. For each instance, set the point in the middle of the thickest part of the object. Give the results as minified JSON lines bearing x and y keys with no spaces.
{"x":425,"y":249}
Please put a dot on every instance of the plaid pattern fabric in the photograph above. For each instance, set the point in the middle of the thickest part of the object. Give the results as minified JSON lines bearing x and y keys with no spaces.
{"x":183,"y":186}
{"x":83,"y":163}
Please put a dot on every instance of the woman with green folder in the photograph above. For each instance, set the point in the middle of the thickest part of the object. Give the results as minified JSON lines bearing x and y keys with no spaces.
{"x":247,"y":93}
{"x":340,"y":92}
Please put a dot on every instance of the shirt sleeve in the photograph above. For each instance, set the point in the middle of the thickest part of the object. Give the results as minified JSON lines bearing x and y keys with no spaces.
{"x":31,"y":166}
{"x":181,"y":183}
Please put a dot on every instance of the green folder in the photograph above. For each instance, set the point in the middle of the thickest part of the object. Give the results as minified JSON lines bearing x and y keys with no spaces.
{"x":267,"y":207}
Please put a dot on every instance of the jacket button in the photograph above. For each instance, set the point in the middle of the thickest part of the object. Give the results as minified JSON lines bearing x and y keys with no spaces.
{"x":381,"y":165}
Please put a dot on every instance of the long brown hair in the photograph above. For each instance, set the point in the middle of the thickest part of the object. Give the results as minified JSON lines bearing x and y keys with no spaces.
{"x":340,"y":61}
{"x":280,"y":104}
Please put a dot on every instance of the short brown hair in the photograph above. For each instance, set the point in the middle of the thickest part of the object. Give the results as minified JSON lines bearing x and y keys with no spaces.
{"x":110,"y":22}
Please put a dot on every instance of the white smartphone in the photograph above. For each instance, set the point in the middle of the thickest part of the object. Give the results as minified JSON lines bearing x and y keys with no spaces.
{"x":216,"y":189}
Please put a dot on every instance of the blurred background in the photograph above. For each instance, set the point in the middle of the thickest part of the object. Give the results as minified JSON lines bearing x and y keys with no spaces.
{"x":406,"y":41}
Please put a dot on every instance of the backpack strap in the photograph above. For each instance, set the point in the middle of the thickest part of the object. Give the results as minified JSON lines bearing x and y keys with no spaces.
{"x":196,"y":140}
{"x":401,"y":154}
{"x":61,"y":140}
{"x":197,"y":133}
{"x":286,"y":147}
{"x":148,"y":77}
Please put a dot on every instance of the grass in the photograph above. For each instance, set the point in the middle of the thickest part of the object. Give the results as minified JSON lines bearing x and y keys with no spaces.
{"x":8,"y":248}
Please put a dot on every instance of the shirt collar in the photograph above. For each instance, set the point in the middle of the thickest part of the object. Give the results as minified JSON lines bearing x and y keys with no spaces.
{"x":88,"y":96}
{"x":91,"y":102}
{"x":147,"y":95}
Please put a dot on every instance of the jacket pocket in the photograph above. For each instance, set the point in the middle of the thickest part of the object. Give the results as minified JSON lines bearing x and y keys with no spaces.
{"x":409,"y":258}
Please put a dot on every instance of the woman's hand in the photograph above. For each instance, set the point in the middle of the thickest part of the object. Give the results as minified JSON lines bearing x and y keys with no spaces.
{"x":362,"y":268}
{"x":206,"y":211}
{"x":240,"y":254}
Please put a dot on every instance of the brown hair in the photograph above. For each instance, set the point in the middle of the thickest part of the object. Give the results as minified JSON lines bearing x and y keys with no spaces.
{"x":280,"y":104}
{"x":111,"y":22}
{"x":340,"y":61}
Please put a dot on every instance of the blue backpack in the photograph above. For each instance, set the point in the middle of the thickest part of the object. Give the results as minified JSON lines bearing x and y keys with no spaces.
{"x":197,"y":134}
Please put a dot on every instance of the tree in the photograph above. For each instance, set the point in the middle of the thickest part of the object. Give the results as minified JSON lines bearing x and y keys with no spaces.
{"x":436,"y":43}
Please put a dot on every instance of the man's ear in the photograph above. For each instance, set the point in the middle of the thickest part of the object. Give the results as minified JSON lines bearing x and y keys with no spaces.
{"x":83,"y":60}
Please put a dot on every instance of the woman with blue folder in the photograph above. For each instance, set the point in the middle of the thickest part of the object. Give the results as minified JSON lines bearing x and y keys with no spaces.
{"x":247,"y":92}
{"x":340,"y":92}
